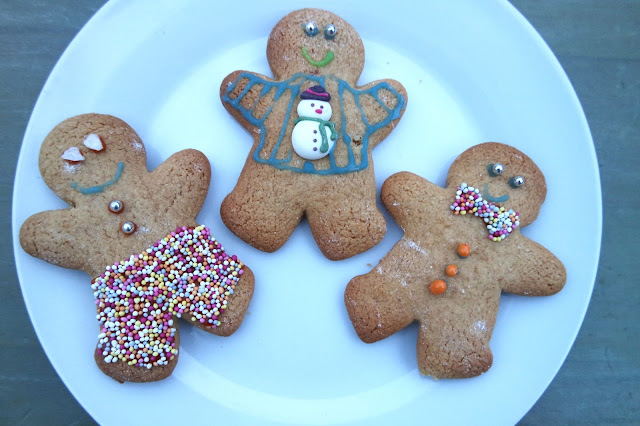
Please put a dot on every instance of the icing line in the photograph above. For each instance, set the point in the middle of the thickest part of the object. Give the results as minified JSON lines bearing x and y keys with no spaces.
{"x":328,"y":57}
{"x":293,"y":84}
{"x":488,"y":196}
{"x":99,"y":188}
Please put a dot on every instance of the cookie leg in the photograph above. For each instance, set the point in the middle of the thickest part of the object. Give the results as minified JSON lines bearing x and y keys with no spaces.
{"x":377,"y":306}
{"x":261,"y":211}
{"x":455,"y":351}
{"x":346,"y":229}
{"x":123,"y":372}
{"x":238,"y":305}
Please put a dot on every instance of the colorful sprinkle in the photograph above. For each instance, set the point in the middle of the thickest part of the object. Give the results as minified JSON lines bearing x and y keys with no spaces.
{"x":500,"y":221}
{"x":187,"y":272}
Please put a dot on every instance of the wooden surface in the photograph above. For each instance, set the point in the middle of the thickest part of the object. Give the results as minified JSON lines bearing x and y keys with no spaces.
{"x":598,"y":44}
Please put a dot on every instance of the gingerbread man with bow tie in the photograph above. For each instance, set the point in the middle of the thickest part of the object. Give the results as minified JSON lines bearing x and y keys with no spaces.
{"x":461,"y":249}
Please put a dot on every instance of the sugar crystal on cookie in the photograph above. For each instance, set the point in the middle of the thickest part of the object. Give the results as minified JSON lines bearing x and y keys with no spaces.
{"x":93,"y":142}
{"x":73,"y":155}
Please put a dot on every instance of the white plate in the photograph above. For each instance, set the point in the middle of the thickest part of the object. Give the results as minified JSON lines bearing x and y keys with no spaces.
{"x":474,"y":71}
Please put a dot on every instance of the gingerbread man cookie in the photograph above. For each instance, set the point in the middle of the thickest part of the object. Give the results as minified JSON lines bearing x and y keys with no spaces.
{"x":313,"y":130}
{"x":461,"y":248}
{"x":135,"y":233}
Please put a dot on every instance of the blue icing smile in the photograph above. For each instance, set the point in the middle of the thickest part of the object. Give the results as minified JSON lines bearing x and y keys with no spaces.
{"x":99,"y":188}
{"x":294,"y":84}
{"x":487,"y":195}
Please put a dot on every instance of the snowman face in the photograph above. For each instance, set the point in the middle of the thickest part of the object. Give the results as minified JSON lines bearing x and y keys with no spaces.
{"x":311,"y":108}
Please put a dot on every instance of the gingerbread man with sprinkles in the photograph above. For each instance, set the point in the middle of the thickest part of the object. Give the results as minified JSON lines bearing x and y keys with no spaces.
{"x":135,"y":233}
{"x":461,"y":249}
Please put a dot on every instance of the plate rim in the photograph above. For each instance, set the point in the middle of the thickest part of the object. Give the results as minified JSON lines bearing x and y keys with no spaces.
{"x":110,"y":7}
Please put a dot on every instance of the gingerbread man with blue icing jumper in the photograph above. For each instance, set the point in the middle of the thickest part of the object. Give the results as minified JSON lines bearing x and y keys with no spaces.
{"x":135,"y":233}
{"x":313,"y":132}
{"x":461,"y":249}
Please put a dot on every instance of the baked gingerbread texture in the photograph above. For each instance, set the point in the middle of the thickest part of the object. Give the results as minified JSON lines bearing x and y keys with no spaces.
{"x":449,"y":269}
{"x":313,"y":133}
{"x":135,"y":233}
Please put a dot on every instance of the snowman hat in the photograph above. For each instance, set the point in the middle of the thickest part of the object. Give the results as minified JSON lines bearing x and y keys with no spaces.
{"x":317,"y":93}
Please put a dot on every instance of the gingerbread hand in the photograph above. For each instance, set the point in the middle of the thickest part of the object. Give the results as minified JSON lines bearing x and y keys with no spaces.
{"x":135,"y":233}
{"x":462,"y":247}
{"x":313,"y":131}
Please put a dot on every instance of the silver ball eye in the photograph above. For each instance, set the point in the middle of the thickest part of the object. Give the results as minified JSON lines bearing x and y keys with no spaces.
{"x":496,"y":169}
{"x":128,"y":227}
{"x":116,"y":206}
{"x":330,"y":31}
{"x":310,"y":28}
{"x":516,"y":181}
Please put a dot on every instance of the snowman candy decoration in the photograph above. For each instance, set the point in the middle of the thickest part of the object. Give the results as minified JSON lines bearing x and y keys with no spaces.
{"x":314,"y":135}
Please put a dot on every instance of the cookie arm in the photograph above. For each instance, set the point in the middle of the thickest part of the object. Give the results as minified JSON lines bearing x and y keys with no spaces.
{"x":539,"y":273}
{"x":50,"y":236}
{"x":182,"y":181}
{"x":405,"y":195}
{"x":389,"y":95}
{"x":241,"y":93}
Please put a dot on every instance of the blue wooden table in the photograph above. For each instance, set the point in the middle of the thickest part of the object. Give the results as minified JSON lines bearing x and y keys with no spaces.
{"x":598,"y":44}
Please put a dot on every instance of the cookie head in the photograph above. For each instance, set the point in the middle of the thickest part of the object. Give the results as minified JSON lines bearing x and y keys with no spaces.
{"x":505,"y":177}
{"x":82,"y":160}
{"x":314,"y":41}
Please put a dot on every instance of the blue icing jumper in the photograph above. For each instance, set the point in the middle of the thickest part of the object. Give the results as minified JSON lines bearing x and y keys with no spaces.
{"x":294,"y":84}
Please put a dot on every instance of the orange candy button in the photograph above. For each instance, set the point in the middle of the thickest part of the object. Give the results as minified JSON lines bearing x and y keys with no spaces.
{"x":438,"y":287}
{"x":451,"y":270}
{"x":464,"y":250}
